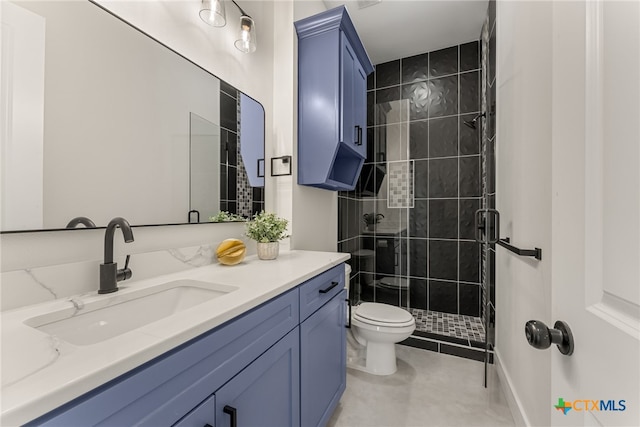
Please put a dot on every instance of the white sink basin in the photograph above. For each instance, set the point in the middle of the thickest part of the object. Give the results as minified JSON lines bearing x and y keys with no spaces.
{"x":119,"y":313}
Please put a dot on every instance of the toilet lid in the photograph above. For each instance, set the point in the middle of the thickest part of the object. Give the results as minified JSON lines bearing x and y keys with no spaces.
{"x":384,"y":313}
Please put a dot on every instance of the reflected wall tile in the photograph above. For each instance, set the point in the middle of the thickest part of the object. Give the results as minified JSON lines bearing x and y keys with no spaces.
{"x":469,"y":138}
{"x":386,"y":256}
{"x":232,"y":177}
{"x":418,"y":258}
{"x":443,"y":296}
{"x":418,"y":293}
{"x":228,"y":112}
{"x":421,"y":178}
{"x":443,"y":137}
{"x":417,"y":94}
{"x":386,"y":95}
{"x":223,"y":182}
{"x":224,"y":146}
{"x":469,"y":92}
{"x":232,"y":144}
{"x":470,"y":183}
{"x":415,"y":68}
{"x":470,"y":56}
{"x":343,"y":218}
{"x":419,"y":139}
{"x":371,"y":80}
{"x":354,"y":219}
{"x":371,"y":102}
{"x":469,"y":262}
{"x":443,"y":219}
{"x":418,"y":219}
{"x":443,"y":259}
{"x":228,"y":89}
{"x":468,"y":208}
{"x":443,"y":178}
{"x":443,"y":96}
{"x":443,"y":62}
{"x":469,"y":300}
{"x":388,"y":74}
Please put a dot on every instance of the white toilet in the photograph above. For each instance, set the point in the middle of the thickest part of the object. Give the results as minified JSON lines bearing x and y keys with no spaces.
{"x":375,"y":330}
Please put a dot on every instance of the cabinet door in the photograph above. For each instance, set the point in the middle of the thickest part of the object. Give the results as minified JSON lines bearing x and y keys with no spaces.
{"x":353,"y":128}
{"x":323,"y":361}
{"x":360,"y":106}
{"x":265,"y":393}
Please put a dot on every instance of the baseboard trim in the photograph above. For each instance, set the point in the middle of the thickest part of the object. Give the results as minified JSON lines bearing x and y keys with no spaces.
{"x":515,"y":405}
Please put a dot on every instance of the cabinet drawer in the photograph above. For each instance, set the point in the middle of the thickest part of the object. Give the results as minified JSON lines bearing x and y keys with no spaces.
{"x":319,"y":290}
{"x":203,"y":415}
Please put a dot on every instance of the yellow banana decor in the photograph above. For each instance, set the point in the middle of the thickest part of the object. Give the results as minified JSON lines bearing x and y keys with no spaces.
{"x":231,"y":251}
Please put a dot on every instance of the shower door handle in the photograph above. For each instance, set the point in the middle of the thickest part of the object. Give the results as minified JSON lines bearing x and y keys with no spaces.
{"x":484,"y":232}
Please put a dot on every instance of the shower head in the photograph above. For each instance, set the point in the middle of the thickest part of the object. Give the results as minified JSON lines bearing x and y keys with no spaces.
{"x":472,"y":123}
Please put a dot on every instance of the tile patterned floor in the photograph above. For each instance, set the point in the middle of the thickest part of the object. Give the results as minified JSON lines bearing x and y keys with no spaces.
{"x":452,"y":325}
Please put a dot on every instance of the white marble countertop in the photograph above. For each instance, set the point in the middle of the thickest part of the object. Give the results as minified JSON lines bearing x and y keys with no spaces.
{"x":41,"y":372}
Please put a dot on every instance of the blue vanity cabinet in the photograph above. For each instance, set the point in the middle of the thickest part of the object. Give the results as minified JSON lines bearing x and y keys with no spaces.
{"x":323,"y":369}
{"x":332,"y":71}
{"x":322,"y":346}
{"x":263,"y":368}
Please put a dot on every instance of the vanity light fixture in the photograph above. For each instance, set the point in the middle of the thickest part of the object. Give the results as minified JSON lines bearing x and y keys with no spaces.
{"x":213,"y":13}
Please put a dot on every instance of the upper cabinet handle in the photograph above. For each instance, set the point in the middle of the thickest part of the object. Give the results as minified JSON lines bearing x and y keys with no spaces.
{"x":358,"y":136}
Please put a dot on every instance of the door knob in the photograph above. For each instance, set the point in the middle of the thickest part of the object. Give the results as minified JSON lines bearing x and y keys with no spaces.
{"x":541,"y":337}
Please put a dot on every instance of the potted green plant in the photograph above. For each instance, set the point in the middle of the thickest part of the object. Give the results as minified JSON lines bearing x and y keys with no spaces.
{"x":267,"y":229}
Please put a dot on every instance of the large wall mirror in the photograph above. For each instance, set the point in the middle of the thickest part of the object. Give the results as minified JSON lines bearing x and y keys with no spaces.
{"x":100,"y":120}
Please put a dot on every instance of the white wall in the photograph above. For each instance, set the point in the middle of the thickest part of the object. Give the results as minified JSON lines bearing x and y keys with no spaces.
{"x":523,"y":197}
{"x":313,"y":212}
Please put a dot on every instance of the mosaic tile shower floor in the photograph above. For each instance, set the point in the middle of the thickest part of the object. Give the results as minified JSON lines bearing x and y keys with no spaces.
{"x":452,"y":325}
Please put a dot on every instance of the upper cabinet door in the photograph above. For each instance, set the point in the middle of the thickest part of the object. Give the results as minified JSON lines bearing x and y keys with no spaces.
{"x":351,"y":129}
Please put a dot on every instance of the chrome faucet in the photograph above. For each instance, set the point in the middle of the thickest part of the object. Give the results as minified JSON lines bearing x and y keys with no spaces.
{"x":110,"y":275}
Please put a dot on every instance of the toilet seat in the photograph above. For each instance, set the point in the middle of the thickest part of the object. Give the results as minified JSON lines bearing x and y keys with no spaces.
{"x":384,"y":315}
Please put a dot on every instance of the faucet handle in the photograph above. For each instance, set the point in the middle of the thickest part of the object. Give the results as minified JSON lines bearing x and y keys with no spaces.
{"x":124,"y":273}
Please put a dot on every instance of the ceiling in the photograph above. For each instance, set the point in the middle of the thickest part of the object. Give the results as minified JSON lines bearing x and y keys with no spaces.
{"x":392,"y":29}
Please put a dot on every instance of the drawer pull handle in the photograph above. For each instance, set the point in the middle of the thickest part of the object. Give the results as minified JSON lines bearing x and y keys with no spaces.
{"x":232,"y":414}
{"x":328,"y":288}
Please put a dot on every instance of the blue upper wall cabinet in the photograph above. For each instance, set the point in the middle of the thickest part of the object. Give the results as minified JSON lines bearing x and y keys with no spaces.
{"x":332,"y":101}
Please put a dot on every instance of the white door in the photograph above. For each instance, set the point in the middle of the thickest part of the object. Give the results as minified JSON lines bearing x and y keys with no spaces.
{"x":596,"y":211}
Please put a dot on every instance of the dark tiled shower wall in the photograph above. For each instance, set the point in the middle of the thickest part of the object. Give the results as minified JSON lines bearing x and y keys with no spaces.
{"x":488,"y":164}
{"x":431,"y":245}
{"x":236,"y":195}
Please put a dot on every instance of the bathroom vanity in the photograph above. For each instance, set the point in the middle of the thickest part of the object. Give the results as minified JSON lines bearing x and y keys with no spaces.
{"x":269,"y":350}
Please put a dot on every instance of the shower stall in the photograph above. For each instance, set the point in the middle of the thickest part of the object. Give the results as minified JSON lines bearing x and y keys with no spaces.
{"x":409,"y":224}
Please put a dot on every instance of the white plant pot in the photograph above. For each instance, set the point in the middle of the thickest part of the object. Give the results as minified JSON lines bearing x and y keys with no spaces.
{"x":268,"y":250}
